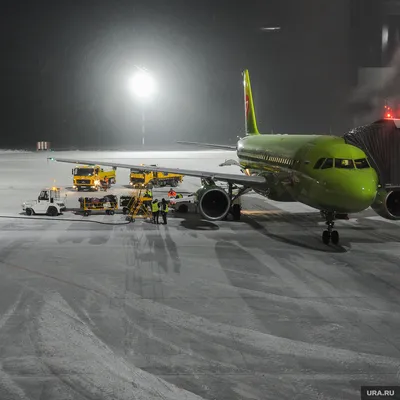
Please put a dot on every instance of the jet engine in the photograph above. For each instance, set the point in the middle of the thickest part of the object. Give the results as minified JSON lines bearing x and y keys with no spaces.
{"x":387,"y":204}
{"x":214,"y":202}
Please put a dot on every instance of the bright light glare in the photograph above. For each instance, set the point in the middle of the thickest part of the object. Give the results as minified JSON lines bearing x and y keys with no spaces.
{"x":142,"y":85}
{"x":271,"y":28}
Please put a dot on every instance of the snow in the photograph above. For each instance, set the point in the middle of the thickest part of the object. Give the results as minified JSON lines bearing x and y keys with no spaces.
{"x":10,"y":151}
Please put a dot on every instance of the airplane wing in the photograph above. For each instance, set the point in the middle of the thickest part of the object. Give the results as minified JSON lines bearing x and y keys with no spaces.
{"x":232,"y":178}
{"x":216,"y":146}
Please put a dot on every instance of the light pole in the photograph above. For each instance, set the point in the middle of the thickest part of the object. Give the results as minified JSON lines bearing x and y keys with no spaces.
{"x":143,"y":87}
{"x":143,"y":126}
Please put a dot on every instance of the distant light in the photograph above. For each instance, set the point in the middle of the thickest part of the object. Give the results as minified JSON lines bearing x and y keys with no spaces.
{"x":142,"y":85}
{"x":271,"y":28}
{"x":388,"y":115}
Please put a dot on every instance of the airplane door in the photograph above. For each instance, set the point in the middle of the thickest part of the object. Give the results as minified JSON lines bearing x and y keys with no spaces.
{"x":304,"y":157}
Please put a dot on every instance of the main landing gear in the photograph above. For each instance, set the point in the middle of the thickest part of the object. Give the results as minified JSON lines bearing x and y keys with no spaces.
{"x":329,"y":234}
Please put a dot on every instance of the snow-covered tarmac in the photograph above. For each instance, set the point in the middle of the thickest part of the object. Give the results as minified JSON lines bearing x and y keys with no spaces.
{"x":256,"y":309}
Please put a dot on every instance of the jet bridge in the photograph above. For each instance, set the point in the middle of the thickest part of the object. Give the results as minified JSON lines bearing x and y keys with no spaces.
{"x":381,"y":143}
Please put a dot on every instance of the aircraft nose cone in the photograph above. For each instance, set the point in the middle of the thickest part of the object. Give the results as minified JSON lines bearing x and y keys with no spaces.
{"x":361,"y":193}
{"x":353,"y":193}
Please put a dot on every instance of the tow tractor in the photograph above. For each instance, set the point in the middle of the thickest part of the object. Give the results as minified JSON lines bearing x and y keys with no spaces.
{"x":48,"y":202}
{"x":184,"y":204}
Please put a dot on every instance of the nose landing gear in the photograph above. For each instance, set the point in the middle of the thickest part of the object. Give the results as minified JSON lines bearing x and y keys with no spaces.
{"x":330,"y":234}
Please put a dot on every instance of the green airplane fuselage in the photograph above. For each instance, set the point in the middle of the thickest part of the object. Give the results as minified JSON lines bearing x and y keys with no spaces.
{"x":317,"y":170}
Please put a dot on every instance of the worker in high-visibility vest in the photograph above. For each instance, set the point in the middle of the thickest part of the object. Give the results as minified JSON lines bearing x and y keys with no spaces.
{"x":179,"y":196}
{"x":171,"y":193}
{"x":147,"y":195}
{"x":164,"y":211}
{"x":155,"y":210}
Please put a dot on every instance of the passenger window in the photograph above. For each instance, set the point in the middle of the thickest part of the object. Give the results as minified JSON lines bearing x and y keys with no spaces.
{"x":344,"y":163}
{"x":362,"y":163}
{"x":328,"y":163}
{"x":319,"y":163}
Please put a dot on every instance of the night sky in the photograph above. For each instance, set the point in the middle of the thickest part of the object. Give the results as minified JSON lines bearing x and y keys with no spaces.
{"x":65,"y":67}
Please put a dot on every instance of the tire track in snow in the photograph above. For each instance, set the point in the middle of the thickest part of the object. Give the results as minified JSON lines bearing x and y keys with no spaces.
{"x":257,"y":341}
{"x":260,"y":344}
{"x":10,"y":312}
{"x":318,"y":303}
{"x":8,"y":388}
{"x":84,"y":362}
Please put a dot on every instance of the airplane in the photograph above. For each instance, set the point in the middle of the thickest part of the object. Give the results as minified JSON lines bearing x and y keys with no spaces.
{"x":321,"y":171}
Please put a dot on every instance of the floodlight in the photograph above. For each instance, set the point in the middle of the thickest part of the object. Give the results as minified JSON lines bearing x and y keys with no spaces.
{"x":142,"y":85}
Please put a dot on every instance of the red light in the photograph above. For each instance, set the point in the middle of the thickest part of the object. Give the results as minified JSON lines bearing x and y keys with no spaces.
{"x":388,"y":115}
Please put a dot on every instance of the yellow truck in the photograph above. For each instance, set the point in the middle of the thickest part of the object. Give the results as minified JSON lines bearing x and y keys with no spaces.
{"x":90,"y":177}
{"x":144,"y":178}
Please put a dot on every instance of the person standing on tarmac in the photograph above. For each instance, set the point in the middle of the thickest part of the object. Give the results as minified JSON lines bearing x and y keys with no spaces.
{"x":155,"y":211}
{"x":171,"y":193}
{"x":148,"y":195}
{"x":164,"y":211}
{"x":105,"y":184}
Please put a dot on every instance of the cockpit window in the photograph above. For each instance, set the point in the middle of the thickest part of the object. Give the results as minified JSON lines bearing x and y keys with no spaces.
{"x":362,"y":163}
{"x":344,"y":163}
{"x":328,"y":163}
{"x":319,"y":163}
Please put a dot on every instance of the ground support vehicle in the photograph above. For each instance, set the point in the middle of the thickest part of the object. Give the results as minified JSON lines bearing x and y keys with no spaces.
{"x":108,"y":204}
{"x":137,"y":204}
{"x":91,"y":177}
{"x":184,"y":204}
{"x":145,"y":178}
{"x":48,"y":202}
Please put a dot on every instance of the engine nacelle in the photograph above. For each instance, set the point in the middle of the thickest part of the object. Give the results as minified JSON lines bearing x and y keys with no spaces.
{"x":214,"y":202}
{"x":387,"y":204}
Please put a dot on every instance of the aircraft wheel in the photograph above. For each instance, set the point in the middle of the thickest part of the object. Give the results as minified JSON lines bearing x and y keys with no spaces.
{"x":29,"y":211}
{"x":335,"y":237}
{"x":326,"y":237}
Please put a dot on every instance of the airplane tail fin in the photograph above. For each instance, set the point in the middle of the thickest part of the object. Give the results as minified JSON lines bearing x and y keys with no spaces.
{"x":250,"y":114}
